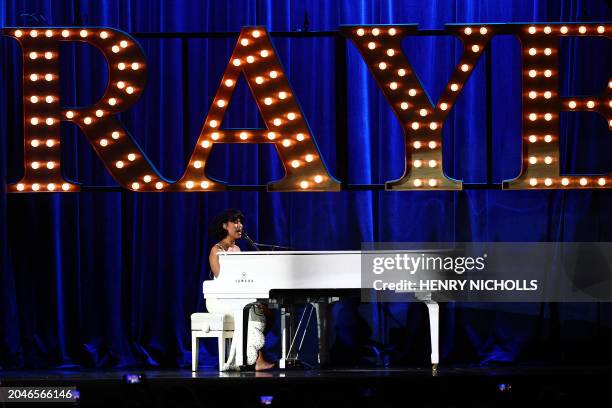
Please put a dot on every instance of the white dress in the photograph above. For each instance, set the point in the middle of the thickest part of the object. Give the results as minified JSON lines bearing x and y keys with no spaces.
{"x":255,"y":331}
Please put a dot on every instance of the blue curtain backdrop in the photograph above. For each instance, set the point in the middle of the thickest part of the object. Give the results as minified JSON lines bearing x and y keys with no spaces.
{"x":107,"y":279}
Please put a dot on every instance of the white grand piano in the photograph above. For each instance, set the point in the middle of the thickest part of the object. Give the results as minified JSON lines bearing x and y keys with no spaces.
{"x":249,"y":277}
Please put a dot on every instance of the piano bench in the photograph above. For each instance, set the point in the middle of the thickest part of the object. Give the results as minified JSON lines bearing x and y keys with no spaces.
{"x":205,"y":325}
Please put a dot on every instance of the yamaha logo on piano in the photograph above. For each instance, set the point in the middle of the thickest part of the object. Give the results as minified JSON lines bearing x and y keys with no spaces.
{"x":244,"y":278}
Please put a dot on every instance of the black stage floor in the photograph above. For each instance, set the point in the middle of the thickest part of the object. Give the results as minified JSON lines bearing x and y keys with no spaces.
{"x":456,"y":386}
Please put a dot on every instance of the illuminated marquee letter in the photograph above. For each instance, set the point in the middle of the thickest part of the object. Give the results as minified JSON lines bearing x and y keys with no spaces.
{"x":421,"y":122}
{"x":255,"y":57}
{"x":42,"y":113}
{"x":542,"y":105}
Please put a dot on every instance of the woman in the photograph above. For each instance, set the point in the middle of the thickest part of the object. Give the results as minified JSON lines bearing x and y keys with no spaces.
{"x":226,"y":228}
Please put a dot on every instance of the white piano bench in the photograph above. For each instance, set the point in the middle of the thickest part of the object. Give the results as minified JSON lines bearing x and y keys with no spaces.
{"x":216,"y":325}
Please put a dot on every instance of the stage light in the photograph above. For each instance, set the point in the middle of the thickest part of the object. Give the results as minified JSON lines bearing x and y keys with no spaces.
{"x":375,"y":32}
{"x":393,"y":85}
{"x":309,"y":158}
{"x":423,"y":112}
{"x":371,"y":45}
{"x":432,"y":145}
{"x":65,"y":186}
{"x":48,"y":55}
{"x":401,"y":72}
{"x":360,"y":32}
{"x":417,"y":183}
{"x":433,"y":182}
{"x":147,"y":179}
{"x":415,"y":125}
{"x":34,"y":99}
{"x":300,"y":137}
{"x":220,"y":103}
{"x":412,"y":92}
{"x":229,"y":82}
{"x":273,"y":74}
{"x":104,"y":35}
{"x":416,"y":145}
{"x":33,"y":33}
{"x":583,"y":181}
{"x":250,"y":59}
{"x":103,"y":142}
{"x":417,"y":163}
{"x":443,"y":106}
{"x":282,"y":95}
{"x":404,"y":105}
{"x":382,"y":66}
{"x":115,"y":135}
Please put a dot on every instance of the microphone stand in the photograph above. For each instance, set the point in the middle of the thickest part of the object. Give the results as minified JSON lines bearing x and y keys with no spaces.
{"x":257,"y":246}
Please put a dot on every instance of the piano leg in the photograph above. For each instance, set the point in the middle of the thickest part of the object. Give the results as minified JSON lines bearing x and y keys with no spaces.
{"x":286,"y":313}
{"x":434,"y":323}
{"x":322,"y":308}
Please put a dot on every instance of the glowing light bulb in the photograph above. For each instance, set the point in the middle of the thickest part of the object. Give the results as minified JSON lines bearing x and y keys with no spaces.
{"x":213,"y":123}
{"x":572,"y":104}
{"x":548,"y":160}
{"x":295,"y":164}
{"x":533,"y":182}
{"x":236,"y":62}
{"x":264,"y":53}
{"x":601,"y":181}
{"x":65,"y":33}
{"x":433,"y":125}
{"x":533,"y":139}
{"x":548,"y":117}
{"x":255,"y":33}
{"x":390,"y":52}
{"x":244,"y":136}
{"x":83,"y":33}
{"x":417,"y":163}
{"x":590,"y":104}
{"x":119,"y":164}
{"x":415,"y":125}
{"x":444,"y":106}
{"x":533,"y":51}
{"x":601,"y":30}
{"x":115,"y":135}
{"x":563,"y":30}
{"x":547,"y":30}
{"x":48,"y":55}
{"x":35,"y":165}
{"x":51,"y":186}
{"x":189,"y":184}
{"x":244,"y":42}
{"x":371,"y":45}
{"x":220,"y":103}
{"x":135,"y":66}
{"x":20,"y":187}
{"x":34,"y":121}
{"x":112,"y":101}
{"x":547,"y":95}
{"x":401,"y":72}
{"x":277,"y":122}
{"x":131,"y":157}
{"x":483,"y":30}
{"x":18,"y":33}
{"x":259,"y":80}
{"x":268,"y":101}
{"x":250,"y":59}
{"x":467,"y":31}
{"x":393,"y":85}
{"x":548,"y":138}
{"x":197,"y":164}
{"x":49,"y":121}
{"x":34,"y":143}
{"x":433,"y":182}
{"x":375,"y":32}
{"x":533,"y":160}
{"x":50,"y":143}
{"x":271,"y":135}
{"x":87,"y":120}
{"x":475,"y":48}
{"x":123,"y":44}
{"x":432,"y":145}
{"x":129,"y":90}
{"x":548,"y":73}
{"x":33,"y":77}
{"x":565,"y":181}
{"x":417,"y":145}
{"x":304,"y":185}
{"x":33,"y":55}
{"x":318,"y":179}
{"x":65,"y":186}
{"x":99,"y":113}
{"x":204,"y":184}
{"x":214,"y":135}
{"x":533,"y":95}
{"x":205,"y":144}
{"x":147,"y":179}
{"x":35,"y":186}
{"x":360,"y":32}
{"x":454,"y":87}
{"x":104,"y":35}
{"x":412,"y":92}
{"x":582,"y":29}
{"x":309,"y":158}
{"x":103,"y":142}
{"x":291,"y":116}
{"x":287,"y":143}
{"x":300,"y":137}
{"x":548,"y":182}
{"x":382,"y":66}
{"x":120,"y":84}
{"x":465,"y":67}
{"x":532,"y":30}
{"x":33,"y":33}
{"x":533,"y":73}
{"x":229,"y":82}
{"x":423,"y":112}
{"x":282,"y":95}
{"x":115,"y":49}
{"x":34,"y":99}
{"x":432,"y":163}
{"x":159,"y":185}
{"x":533,"y":117}
{"x":273,"y":74}
{"x":404,"y":105}
{"x":50,"y":165}
{"x":583,"y":181}
{"x":417,"y":183}
{"x":135,"y":186}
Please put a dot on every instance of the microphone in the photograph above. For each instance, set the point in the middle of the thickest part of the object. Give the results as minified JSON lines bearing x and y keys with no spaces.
{"x":249,"y":240}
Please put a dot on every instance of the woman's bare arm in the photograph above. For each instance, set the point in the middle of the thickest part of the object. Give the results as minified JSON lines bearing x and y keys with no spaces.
{"x":213,"y":259}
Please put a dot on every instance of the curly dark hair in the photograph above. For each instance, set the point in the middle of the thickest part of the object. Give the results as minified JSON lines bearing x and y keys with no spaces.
{"x":216,"y":229}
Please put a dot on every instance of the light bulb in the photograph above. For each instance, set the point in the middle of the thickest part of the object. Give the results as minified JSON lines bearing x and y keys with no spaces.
{"x":412,"y":92}
{"x":533,"y":94}
{"x":572,"y":104}
{"x":87,"y":120}
{"x":475,"y":48}
{"x":295,"y":164}
{"x":244,"y":42}
{"x":264,"y":53}
{"x":34,"y":143}
{"x":33,"y":55}
{"x":454,"y":87}
{"x":20,"y":187}
{"x":565,"y":181}
{"x":115,"y":135}
{"x":229,"y":82}
{"x":282,"y":95}
{"x":104,"y":35}
{"x":375,"y":32}
{"x":33,"y":77}
{"x":547,"y":30}
{"x":533,"y":138}
{"x":51,"y":186}
{"x":99,"y":113}
{"x":548,"y":160}
{"x":204,"y":184}
{"x":214,"y":135}
{"x":50,"y":165}
{"x":236,"y":62}
{"x":50,"y":143}
{"x":35,"y":165}
{"x":65,"y":33}
{"x":115,"y":49}
{"x":309,"y":158}
{"x":582,"y":29}
{"x":273,"y":74}
{"x":423,"y":112}
{"x":417,"y":145}
{"x":433,"y":125}
{"x":48,"y":77}
{"x":213,"y":123}
{"x":465,"y":67}
{"x":548,"y":73}
{"x":390,"y":52}
{"x":287,"y":143}
{"x":135,"y":186}
{"x":433,"y":182}
{"x":483,"y":30}
{"x":318,"y":178}
{"x":65,"y":186}
{"x":34,"y":99}
{"x":417,"y":183}
{"x":300,"y":137}
{"x":103,"y":142}
{"x":123,"y":44}
{"x":443,"y":106}
{"x":548,"y":138}
{"x":197,"y":164}
{"x":159,"y":185}
{"x":48,"y":55}
{"x":393,"y":85}
{"x":382,"y":66}
{"x":259,"y":80}
{"x":548,"y":182}
{"x":432,"y":163}
{"x":304,"y":185}
{"x":49,"y":121}
{"x":147,"y":179}
{"x":83,"y":33}
{"x":533,"y":160}
{"x":601,"y":181}
{"x":432,"y":144}
{"x":415,"y":125}
{"x":268,"y":101}
{"x":533,"y":73}
{"x":404,"y":105}
{"x":563,"y":30}
{"x":135,"y":66}
{"x":533,"y":51}
{"x":120,"y":84}
{"x":371,"y":45}
{"x":547,"y":51}
{"x":417,"y":163}
{"x":205,"y":144}
{"x":220,"y":103}
{"x":250,"y":59}
{"x":291,"y":116}
{"x":532,"y":30}
{"x":401,"y":72}
{"x":49,"y":99}
{"x":244,"y":136}
{"x":119,"y":164}
{"x":533,"y":182}
{"x":277,"y":122}
{"x":547,"y":94}
{"x":360,"y":32}
{"x":129,"y":90}
{"x":255,"y":33}
{"x":601,"y":30}
{"x":467,"y":31}
{"x":33,"y":33}
{"x":271,"y":135}
{"x":131,"y":157}
{"x":583,"y":181}
{"x":189,"y":184}
{"x":112,"y":101}
{"x":35,"y":186}
{"x":590,"y":104}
